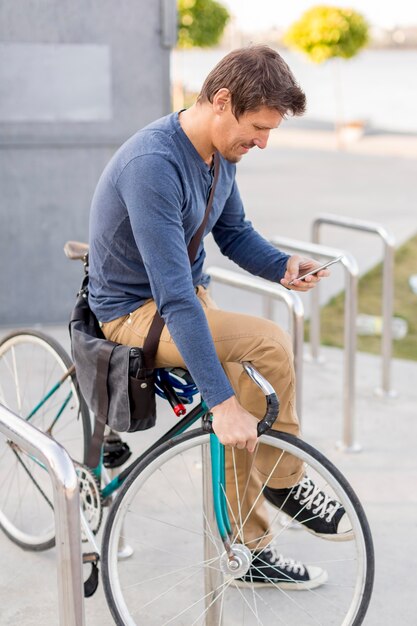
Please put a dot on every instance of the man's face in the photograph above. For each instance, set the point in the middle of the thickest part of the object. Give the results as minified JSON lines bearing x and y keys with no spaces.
{"x":234,"y":138}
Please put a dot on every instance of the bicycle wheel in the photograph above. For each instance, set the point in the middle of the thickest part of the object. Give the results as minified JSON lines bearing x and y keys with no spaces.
{"x":172,"y":578}
{"x":31,"y":363}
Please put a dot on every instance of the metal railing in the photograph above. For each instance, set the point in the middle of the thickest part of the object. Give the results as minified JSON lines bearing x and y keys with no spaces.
{"x":274,"y":292}
{"x":351,"y":272}
{"x":66,"y":510}
{"x":387,"y":282}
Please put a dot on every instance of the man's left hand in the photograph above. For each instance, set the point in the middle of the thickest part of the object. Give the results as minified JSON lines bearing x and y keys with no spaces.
{"x":297,"y":266}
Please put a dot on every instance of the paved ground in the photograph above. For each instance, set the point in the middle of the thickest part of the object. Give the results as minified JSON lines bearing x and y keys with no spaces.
{"x":383,"y":475}
{"x":284,"y":188}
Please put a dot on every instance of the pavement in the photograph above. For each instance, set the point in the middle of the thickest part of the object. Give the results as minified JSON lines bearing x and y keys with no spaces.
{"x":284,"y":188}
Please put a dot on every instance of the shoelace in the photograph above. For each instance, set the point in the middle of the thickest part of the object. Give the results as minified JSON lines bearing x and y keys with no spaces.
{"x":291,"y":565}
{"x":312,"y":496}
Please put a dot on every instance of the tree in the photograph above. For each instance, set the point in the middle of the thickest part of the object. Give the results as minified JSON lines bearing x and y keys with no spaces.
{"x":326,"y":32}
{"x":200,"y":23}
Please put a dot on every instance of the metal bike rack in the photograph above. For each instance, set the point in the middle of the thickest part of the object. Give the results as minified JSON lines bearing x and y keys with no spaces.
{"x":213,"y":576}
{"x":66,"y":510}
{"x":387,"y":282}
{"x":273,"y":292}
{"x":348,"y":443}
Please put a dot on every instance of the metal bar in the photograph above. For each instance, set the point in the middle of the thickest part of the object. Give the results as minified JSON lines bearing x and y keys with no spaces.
{"x":348,"y":443}
{"x":213,"y":577}
{"x":387,"y":314}
{"x":274,"y":292}
{"x":351,"y":289}
{"x":387,"y":283}
{"x":315,"y":250}
{"x":66,"y":510}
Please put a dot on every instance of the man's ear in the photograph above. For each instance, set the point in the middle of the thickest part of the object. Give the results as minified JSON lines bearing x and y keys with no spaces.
{"x":221,"y":100}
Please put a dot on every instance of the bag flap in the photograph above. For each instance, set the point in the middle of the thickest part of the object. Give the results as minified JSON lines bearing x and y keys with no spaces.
{"x":118,"y":388}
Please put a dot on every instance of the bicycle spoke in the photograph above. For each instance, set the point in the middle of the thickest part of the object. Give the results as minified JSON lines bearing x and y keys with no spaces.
{"x":311,"y":591}
{"x":207,"y":563}
{"x":181,"y":498}
{"x":162,"y":503}
{"x":38,"y":487}
{"x":31,"y":365}
{"x":247,"y":604}
{"x":211,"y":533}
{"x":165,"y":522}
{"x":16,"y":381}
{"x":260,"y":494}
{"x":222,"y":591}
{"x":287,"y":595}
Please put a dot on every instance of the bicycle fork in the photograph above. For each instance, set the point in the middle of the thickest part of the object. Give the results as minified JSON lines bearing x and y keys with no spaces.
{"x":234,"y":560}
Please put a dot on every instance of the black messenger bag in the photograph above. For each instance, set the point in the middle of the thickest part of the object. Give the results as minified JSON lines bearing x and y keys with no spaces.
{"x":112,"y":377}
{"x":114,"y":381}
{"x":117,"y":380}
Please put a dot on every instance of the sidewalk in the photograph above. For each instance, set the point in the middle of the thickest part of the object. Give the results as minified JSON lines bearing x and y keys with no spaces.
{"x":383,"y":475}
{"x":284,"y":188}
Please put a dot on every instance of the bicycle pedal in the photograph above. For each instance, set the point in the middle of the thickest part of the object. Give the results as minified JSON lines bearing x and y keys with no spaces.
{"x":91,"y":584}
{"x":115,"y":452}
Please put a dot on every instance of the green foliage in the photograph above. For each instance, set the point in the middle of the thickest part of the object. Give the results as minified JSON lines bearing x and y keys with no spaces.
{"x":200,"y":23}
{"x":324,"y":32}
{"x":369,"y":302}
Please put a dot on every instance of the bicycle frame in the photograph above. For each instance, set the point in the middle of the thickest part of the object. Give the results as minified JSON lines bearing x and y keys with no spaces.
{"x":217,"y":454}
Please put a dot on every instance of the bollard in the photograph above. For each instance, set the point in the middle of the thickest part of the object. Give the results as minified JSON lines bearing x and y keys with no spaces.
{"x":274,"y":292}
{"x":66,"y":509}
{"x":387,"y":284}
{"x":348,"y":443}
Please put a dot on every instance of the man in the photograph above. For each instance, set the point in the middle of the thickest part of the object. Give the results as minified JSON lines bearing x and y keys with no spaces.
{"x":149,"y":202}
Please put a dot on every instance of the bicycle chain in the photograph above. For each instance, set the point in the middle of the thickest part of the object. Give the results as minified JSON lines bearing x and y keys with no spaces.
{"x":90,"y":498}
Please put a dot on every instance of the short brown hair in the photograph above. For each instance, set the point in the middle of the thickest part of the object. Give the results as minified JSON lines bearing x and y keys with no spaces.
{"x":256,"y":76}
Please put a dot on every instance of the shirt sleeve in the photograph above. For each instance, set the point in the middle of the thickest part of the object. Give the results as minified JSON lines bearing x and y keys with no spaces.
{"x":151,"y":189}
{"x":240,"y":242}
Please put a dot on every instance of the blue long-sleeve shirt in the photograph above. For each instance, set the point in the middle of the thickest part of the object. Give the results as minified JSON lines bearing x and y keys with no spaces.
{"x":149,"y":202}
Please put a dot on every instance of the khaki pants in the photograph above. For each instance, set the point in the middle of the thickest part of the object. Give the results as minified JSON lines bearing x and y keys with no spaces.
{"x":236,"y":338}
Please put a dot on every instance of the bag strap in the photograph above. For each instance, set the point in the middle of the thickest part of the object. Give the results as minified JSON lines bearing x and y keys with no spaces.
{"x":152,"y":340}
{"x":195,"y":241}
{"x":102,"y":371}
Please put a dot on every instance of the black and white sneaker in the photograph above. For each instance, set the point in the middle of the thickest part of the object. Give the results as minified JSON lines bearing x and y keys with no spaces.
{"x":270,"y":568}
{"x":314,"y":509}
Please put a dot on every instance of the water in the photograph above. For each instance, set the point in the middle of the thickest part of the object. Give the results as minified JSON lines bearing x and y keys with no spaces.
{"x":378,"y":86}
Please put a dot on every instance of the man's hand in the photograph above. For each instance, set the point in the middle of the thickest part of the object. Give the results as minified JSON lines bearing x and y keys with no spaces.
{"x":234,"y":426}
{"x":297,"y":266}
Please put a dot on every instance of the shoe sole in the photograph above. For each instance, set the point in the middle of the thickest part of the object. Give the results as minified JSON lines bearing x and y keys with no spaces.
{"x":348,"y":536}
{"x":287,"y":586}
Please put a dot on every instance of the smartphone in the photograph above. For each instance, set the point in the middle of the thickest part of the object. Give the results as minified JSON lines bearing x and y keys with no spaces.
{"x":317,"y":269}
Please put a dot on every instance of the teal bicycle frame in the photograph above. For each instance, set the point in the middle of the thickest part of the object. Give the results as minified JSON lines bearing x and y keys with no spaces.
{"x":217,"y":453}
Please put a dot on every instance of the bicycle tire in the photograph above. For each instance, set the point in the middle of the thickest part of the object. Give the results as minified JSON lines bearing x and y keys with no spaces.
{"x":31,"y":362}
{"x":150,"y":587}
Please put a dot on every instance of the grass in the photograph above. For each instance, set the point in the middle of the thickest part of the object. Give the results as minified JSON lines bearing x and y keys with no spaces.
{"x":369,"y":302}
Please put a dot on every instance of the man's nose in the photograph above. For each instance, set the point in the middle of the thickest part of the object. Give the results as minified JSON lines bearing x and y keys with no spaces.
{"x":262,"y":140}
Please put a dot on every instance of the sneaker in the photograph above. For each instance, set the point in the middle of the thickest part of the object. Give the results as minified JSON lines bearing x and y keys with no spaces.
{"x":313,"y":508}
{"x":270,"y":568}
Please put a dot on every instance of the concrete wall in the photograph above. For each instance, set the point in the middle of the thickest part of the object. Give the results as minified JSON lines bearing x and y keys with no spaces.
{"x":76,"y":79}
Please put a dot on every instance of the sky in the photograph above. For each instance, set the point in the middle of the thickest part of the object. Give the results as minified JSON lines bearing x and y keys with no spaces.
{"x":254,"y":15}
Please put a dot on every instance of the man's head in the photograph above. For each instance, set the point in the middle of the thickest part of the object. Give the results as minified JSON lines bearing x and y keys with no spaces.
{"x":251,"y":90}
{"x":256,"y":77}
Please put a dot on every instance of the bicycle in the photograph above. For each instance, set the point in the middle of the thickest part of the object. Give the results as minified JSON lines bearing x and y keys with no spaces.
{"x":172,"y":551}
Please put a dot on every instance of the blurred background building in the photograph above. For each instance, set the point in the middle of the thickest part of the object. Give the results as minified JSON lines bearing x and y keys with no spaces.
{"x":76,"y":79}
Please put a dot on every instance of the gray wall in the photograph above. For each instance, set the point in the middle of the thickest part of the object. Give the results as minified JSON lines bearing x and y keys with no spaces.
{"x":76,"y":79}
